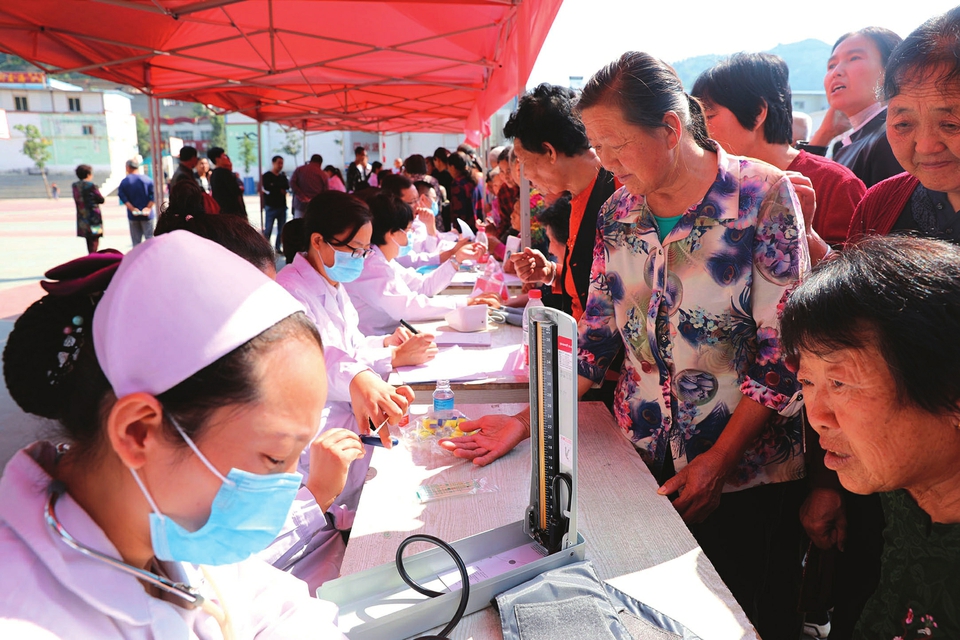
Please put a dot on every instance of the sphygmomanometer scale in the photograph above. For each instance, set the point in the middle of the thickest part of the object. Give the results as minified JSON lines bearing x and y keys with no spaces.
{"x":376,"y":603}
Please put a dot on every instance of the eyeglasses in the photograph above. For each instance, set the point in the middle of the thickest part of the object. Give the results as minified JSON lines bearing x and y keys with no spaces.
{"x":356,"y":252}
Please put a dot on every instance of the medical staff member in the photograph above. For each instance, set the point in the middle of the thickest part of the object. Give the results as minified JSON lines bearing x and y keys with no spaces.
{"x":337,"y":228}
{"x":386,"y":292}
{"x":177,"y":455}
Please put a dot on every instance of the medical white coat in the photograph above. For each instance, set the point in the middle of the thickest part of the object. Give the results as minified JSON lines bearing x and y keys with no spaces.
{"x":50,"y":590}
{"x":309,"y":546}
{"x":386,"y":293}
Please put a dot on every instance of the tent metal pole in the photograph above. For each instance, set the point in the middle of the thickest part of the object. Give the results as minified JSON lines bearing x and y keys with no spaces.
{"x":158,"y":181}
{"x":260,"y":172}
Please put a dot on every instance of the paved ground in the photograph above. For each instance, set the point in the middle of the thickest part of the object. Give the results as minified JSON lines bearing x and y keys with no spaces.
{"x":36,"y":235}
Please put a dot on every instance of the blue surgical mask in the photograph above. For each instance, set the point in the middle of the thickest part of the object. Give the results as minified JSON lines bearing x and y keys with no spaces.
{"x":405,"y":248}
{"x":435,"y":208}
{"x":346,"y":267}
{"x":246,"y":515}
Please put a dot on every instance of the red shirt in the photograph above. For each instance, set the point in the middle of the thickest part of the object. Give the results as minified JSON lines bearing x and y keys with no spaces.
{"x":838,"y":193}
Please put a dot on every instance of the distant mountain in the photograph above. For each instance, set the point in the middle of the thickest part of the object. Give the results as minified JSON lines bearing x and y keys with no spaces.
{"x":807,"y":61}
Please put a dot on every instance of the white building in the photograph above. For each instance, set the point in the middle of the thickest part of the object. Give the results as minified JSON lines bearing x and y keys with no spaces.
{"x":85,"y":127}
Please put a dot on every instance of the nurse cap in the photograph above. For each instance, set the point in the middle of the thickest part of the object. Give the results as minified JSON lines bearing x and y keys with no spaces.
{"x":177,"y":304}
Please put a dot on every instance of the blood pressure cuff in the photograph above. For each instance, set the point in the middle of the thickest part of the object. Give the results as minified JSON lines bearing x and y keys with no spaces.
{"x":571,"y":603}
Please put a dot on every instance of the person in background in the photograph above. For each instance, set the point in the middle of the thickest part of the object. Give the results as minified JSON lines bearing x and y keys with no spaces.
{"x":188,"y":162}
{"x":442,"y":175}
{"x":224,"y":185}
{"x":359,"y":171}
{"x":550,"y":142}
{"x":747,"y":103}
{"x":397,"y":165}
{"x":307,"y":182}
{"x":55,"y":191}
{"x":873,"y":330}
{"x":386,"y":292}
{"x":695,"y":239}
{"x":274,"y":186}
{"x":87,"y":198}
{"x":334,"y":178}
{"x":508,"y":195}
{"x":176,"y":456}
{"x":462,"y":187}
{"x":802,"y":128}
{"x":203,"y":174}
{"x":922,"y":87}
{"x":853,"y":81}
{"x":376,"y":168}
{"x":136,"y":193}
{"x":336,"y":233}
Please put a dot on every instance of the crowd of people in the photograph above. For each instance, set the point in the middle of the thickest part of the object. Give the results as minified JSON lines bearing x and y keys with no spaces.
{"x":773,"y":324}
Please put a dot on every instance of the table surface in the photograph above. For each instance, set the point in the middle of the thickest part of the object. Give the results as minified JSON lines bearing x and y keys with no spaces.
{"x":635,"y":538}
{"x":505,"y":388}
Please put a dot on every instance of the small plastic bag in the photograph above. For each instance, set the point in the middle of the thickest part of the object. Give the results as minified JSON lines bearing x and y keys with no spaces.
{"x":438,"y":490}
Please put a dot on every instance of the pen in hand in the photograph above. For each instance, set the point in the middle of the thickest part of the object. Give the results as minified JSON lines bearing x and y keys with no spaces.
{"x":409,"y":327}
{"x":376,"y":441}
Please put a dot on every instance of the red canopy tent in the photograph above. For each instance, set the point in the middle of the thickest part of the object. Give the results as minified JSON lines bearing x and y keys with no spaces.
{"x":375,"y":65}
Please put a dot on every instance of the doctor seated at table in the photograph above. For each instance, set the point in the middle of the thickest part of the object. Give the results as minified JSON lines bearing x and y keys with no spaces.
{"x":386,"y":292}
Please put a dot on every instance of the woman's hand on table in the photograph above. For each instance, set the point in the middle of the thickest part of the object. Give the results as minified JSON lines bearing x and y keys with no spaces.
{"x":375,"y":400}
{"x":330,"y":457}
{"x":398,"y":337}
{"x":824,"y":518}
{"x":417,"y":349}
{"x":492,"y":300}
{"x":699,"y":485}
{"x":497,"y":435}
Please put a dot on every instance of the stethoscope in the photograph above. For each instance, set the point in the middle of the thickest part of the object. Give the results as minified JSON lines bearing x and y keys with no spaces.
{"x":190,"y":596}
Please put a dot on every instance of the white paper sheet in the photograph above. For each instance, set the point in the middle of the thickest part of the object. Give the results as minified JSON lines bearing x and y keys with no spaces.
{"x":466,"y":230}
{"x":454,"y":363}
{"x":475,"y":339}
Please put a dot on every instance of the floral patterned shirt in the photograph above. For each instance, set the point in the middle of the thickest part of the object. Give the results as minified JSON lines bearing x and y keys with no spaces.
{"x":698,"y":316}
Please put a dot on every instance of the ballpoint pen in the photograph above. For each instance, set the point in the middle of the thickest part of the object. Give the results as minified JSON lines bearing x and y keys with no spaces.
{"x":409,"y":327}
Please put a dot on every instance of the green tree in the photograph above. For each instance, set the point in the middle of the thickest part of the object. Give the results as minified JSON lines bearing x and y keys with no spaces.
{"x":292,"y":145}
{"x":248,"y":150}
{"x":143,"y":136}
{"x":218,"y":135}
{"x":37,"y":148}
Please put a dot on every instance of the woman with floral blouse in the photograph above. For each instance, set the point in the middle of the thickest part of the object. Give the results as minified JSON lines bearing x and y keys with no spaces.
{"x":694,"y":259}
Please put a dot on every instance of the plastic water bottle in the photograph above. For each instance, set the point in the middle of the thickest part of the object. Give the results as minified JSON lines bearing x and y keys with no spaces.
{"x":533,"y":300}
{"x":443,"y":400}
{"x":481,"y":239}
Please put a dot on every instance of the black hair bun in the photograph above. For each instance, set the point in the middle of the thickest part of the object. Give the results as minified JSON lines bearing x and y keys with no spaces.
{"x":42,"y":352}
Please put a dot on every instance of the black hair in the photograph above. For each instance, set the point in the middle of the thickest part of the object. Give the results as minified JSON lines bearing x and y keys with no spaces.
{"x":556,"y":217}
{"x":292,"y":240}
{"x":396,"y":183}
{"x":275,"y":158}
{"x":645,"y":89}
{"x":932,"y":48}
{"x":376,"y":165}
{"x":230,"y":232}
{"x":390,"y":214}
{"x":505,"y":154}
{"x":359,"y":151}
{"x":213,"y":153}
{"x":459,"y":161}
{"x":83,"y":170}
{"x":546,"y":115}
{"x":186,"y":200}
{"x":187,"y":153}
{"x":415,"y":165}
{"x":317,"y":158}
{"x":440,"y":154}
{"x":334,"y":170}
{"x":884,"y":39}
{"x":744,"y":83}
{"x":331,"y":213}
{"x":66,"y":384}
{"x":898,"y":293}
{"x":423,"y":187}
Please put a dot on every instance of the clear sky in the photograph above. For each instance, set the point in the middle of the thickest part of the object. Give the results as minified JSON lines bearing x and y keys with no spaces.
{"x":588,"y":34}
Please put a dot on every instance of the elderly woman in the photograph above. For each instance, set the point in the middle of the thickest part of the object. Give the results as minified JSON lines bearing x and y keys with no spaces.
{"x":923,"y":86}
{"x":854,"y":75}
{"x":875,"y":333}
{"x":693,"y":257}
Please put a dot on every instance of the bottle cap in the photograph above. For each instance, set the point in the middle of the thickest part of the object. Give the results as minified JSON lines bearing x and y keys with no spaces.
{"x":536,"y":294}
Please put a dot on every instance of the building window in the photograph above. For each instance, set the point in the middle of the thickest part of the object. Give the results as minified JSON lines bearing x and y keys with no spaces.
{"x":73,"y":104}
{"x":88,"y":129}
{"x":20,"y":103}
{"x":184,"y":135}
